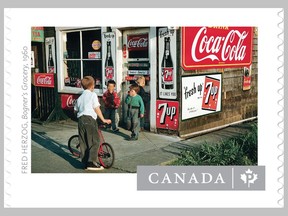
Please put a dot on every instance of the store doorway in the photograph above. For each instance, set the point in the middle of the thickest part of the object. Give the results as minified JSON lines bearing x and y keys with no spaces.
{"x":136,"y":63}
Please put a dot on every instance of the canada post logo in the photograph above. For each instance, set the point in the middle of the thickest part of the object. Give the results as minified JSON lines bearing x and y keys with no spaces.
{"x":201,"y":178}
{"x":249,"y":177}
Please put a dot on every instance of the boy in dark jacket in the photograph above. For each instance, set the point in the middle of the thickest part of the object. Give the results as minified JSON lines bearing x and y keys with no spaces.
{"x":141,"y":83}
{"x":112,"y":102}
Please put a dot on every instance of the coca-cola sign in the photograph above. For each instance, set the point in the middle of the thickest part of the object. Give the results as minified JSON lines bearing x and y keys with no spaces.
{"x":167,"y":114}
{"x":137,"y":42}
{"x":216,"y":47}
{"x":44,"y":80}
{"x":68,"y":101}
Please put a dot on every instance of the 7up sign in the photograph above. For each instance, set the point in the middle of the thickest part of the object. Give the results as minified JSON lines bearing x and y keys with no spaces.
{"x":201,"y":95}
{"x":167,"y":114}
{"x":211,"y":92}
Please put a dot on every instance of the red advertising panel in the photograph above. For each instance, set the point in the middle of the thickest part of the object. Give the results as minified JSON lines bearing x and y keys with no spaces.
{"x":137,"y":42}
{"x":129,"y":78}
{"x":247,"y":83}
{"x":167,"y":113}
{"x":124,"y":51}
{"x":68,"y":101}
{"x":247,"y":78}
{"x":44,"y":80}
{"x":201,"y":95}
{"x":210,"y":93}
{"x":216,"y":47}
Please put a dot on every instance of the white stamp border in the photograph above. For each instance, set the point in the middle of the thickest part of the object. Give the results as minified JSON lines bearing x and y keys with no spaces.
{"x":31,"y":190}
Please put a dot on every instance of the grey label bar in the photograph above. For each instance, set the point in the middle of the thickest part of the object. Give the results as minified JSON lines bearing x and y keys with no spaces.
{"x":201,"y":178}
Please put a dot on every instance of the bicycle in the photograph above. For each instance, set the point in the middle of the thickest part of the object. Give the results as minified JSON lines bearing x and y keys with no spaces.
{"x":106,"y":154}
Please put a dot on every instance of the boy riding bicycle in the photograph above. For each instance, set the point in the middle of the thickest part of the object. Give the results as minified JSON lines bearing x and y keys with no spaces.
{"x":88,"y":109}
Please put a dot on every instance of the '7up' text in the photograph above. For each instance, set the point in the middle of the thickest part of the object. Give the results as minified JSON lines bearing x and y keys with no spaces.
{"x":167,"y":111}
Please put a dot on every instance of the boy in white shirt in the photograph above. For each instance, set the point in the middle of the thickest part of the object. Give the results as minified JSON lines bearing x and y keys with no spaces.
{"x":88,"y":108}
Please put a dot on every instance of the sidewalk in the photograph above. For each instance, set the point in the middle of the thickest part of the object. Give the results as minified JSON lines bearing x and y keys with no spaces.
{"x":50,"y":153}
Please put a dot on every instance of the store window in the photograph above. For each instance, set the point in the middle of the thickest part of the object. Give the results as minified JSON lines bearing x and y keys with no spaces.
{"x":81,"y":57}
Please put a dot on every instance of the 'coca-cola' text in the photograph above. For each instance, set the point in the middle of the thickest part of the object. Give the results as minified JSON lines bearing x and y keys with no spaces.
{"x":137,"y":42}
{"x":44,"y":80}
{"x":219,"y":48}
{"x":71,"y":101}
{"x":68,"y":101}
{"x":205,"y":47}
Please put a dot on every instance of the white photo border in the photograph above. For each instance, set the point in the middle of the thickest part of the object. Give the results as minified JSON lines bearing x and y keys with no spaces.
{"x":31,"y":191}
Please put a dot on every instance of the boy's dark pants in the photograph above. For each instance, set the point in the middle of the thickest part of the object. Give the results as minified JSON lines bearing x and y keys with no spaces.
{"x":88,"y":139}
{"x":110,"y":114}
{"x":133,"y":121}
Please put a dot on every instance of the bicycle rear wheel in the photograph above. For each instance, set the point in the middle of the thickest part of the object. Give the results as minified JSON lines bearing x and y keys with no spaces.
{"x":74,"y":146}
{"x":106,"y":155}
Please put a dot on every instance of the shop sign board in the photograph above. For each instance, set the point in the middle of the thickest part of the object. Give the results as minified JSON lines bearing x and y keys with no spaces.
{"x":138,"y":72}
{"x":247,"y":78}
{"x":167,"y":114}
{"x":44,"y":80}
{"x":135,"y":77}
{"x":137,"y":42}
{"x":68,"y":101}
{"x":94,"y":55}
{"x":37,"y":34}
{"x":50,"y":54}
{"x":167,"y":64}
{"x":216,"y":47}
{"x":109,"y":57}
{"x":124,"y":51}
{"x":201,"y":95}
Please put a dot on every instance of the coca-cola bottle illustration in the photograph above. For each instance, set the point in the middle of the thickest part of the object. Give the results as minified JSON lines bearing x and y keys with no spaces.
{"x":50,"y":61}
{"x":167,"y":81}
{"x":109,"y":66}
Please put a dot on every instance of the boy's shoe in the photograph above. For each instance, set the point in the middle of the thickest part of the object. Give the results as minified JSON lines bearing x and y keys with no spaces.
{"x":94,"y":167}
{"x":115,"y":130}
{"x":133,"y":138}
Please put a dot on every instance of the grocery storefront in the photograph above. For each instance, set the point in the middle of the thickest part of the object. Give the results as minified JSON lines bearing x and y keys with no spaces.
{"x":197,"y":78}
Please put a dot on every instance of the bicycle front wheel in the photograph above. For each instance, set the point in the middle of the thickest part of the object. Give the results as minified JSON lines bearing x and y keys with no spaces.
{"x":106,"y":155}
{"x":74,"y":145}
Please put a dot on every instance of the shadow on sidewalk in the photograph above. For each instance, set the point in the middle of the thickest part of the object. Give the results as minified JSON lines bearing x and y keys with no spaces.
{"x":176,"y":148}
{"x":119,"y":133}
{"x":55,"y":147}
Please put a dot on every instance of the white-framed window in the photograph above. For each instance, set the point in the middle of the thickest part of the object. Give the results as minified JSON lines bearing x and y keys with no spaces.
{"x":79,"y":55}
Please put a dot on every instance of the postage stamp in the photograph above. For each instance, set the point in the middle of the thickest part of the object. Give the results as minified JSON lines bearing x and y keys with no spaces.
{"x":146,"y":108}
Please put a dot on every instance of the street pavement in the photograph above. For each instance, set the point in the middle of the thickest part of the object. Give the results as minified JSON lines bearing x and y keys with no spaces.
{"x":50,"y":152}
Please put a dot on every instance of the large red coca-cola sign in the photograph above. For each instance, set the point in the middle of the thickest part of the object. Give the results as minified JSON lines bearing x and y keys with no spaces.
{"x":137,"y":42}
{"x":44,"y":80}
{"x":216,"y":47}
{"x":68,"y":101}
